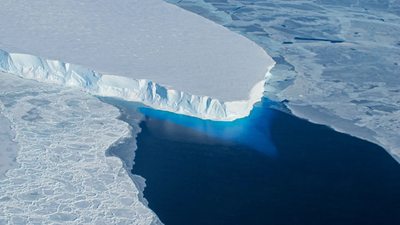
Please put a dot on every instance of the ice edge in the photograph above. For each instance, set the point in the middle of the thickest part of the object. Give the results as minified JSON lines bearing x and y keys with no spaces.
{"x":139,"y":90}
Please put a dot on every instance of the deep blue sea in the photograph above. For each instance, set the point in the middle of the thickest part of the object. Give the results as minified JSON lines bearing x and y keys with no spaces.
{"x":268,"y":168}
{"x":271,"y":167}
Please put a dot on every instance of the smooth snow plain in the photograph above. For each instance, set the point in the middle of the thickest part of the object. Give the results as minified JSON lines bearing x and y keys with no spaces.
{"x":64,"y":176}
{"x":337,"y":62}
{"x":211,"y":72}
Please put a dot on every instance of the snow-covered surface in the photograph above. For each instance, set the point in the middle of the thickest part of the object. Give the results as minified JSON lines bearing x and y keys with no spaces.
{"x":147,"y":51}
{"x":8,"y":148}
{"x":147,"y":92}
{"x":64,"y":175}
{"x":138,"y":39}
{"x":337,"y":62}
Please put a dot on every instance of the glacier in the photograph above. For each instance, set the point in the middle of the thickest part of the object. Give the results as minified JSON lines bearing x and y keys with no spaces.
{"x":141,"y":90}
{"x":174,"y":60}
{"x":169,"y":59}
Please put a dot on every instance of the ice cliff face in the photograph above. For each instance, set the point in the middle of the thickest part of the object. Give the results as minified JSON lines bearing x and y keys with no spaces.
{"x":137,"y":39}
{"x":141,"y":90}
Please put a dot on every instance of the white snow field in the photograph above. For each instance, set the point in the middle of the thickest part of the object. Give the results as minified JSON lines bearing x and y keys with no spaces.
{"x":64,"y":175}
{"x":188,"y":64}
{"x":337,"y":62}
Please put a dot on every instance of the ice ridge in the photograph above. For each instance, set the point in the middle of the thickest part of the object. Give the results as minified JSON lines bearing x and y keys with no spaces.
{"x":141,"y":90}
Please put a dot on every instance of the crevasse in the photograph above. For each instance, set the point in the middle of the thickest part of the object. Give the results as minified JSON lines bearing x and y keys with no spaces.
{"x":139,"y":90}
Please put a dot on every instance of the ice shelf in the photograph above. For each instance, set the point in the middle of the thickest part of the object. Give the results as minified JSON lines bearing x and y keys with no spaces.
{"x":141,"y":90}
{"x":143,"y":40}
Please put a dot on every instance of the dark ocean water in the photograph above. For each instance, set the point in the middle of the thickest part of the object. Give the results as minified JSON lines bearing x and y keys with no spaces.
{"x":269,"y":168}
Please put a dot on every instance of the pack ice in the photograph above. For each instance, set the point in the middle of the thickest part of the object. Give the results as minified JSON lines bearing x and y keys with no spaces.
{"x":148,"y":51}
{"x":337,"y":62}
{"x":63,"y":175}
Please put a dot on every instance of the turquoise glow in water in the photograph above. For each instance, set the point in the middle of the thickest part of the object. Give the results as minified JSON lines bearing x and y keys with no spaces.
{"x":251,"y":131}
{"x":197,"y":175}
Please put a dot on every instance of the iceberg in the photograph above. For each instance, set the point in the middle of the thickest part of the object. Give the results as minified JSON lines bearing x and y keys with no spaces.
{"x":148,"y":51}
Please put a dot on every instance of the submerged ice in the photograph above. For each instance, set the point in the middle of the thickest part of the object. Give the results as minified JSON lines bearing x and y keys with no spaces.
{"x":337,"y":62}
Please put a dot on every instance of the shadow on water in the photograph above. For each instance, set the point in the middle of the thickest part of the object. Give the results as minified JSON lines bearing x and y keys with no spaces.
{"x":198,"y":175}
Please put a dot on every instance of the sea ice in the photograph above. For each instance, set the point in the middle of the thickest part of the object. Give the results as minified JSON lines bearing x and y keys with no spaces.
{"x":64,"y":175}
{"x":337,"y":62}
{"x":8,"y":148}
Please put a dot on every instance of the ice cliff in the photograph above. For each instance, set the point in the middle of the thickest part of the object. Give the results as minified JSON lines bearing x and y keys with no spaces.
{"x":141,"y":90}
{"x":168,"y":57}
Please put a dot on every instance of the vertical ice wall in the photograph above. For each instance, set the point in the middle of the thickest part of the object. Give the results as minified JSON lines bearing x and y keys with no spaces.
{"x":147,"y":92}
{"x":148,"y":40}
